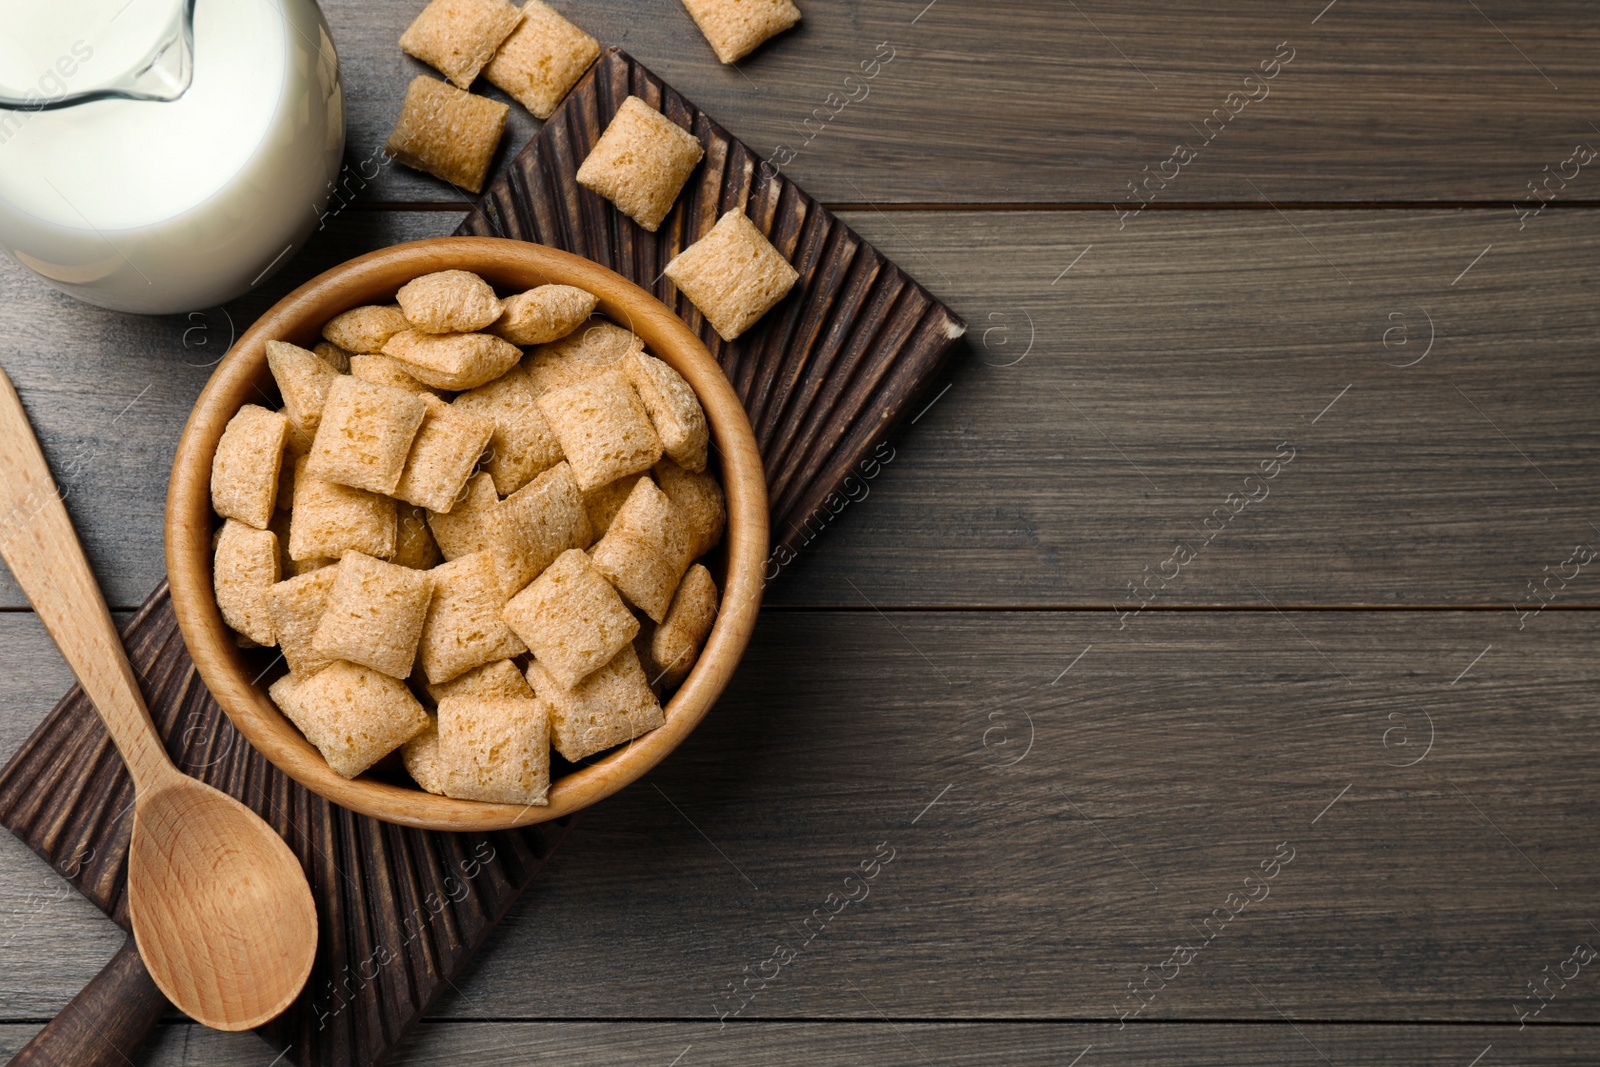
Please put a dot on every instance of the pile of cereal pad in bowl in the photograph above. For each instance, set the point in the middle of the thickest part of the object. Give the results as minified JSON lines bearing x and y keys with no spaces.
{"x":469,"y":555}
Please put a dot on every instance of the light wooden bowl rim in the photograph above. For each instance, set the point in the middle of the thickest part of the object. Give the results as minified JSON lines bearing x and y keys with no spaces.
{"x":373,"y":278}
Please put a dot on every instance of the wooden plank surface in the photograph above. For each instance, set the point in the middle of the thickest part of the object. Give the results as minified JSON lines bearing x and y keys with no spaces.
{"x":1093,"y":425}
{"x":913,"y":1044}
{"x":1071,"y":778}
{"x":1039,"y":101}
{"x":1054,"y":807}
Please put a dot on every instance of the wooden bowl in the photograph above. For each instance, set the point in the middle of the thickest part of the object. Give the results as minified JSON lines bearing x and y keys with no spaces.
{"x":243,"y":377}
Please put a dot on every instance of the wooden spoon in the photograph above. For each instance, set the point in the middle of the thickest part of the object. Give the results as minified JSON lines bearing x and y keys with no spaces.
{"x":221,"y":910}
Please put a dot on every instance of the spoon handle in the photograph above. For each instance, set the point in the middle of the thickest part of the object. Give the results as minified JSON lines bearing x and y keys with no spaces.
{"x":39,"y":545}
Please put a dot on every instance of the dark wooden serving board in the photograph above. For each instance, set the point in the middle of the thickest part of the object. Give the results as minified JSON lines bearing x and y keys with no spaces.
{"x":825,"y":376}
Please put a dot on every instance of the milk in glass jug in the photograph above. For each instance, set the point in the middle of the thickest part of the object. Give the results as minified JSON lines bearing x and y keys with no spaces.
{"x":164,"y":155}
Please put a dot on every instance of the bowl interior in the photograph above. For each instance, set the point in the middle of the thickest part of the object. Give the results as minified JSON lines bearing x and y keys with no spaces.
{"x":235,"y":678}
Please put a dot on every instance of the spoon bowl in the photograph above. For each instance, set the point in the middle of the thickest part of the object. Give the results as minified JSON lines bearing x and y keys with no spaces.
{"x":221,"y":910}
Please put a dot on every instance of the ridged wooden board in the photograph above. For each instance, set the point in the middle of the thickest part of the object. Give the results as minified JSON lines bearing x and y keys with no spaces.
{"x":826,"y":374}
{"x":400,"y":911}
{"x":825,"y":377}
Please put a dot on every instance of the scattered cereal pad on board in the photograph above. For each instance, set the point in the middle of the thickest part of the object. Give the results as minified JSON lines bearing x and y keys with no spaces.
{"x":353,"y":715}
{"x":542,"y":59}
{"x":612,"y":705}
{"x":447,"y":133}
{"x":733,"y":275}
{"x":640,"y":162}
{"x":736,"y":28}
{"x":459,"y":37}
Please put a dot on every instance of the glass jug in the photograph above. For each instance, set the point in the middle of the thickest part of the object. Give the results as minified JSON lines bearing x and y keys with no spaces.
{"x":164,"y":155}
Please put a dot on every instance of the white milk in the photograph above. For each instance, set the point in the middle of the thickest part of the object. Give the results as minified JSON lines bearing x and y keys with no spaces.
{"x":167,"y":205}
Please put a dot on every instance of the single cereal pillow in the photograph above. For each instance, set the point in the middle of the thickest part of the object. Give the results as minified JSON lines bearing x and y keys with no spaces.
{"x":465,"y":528}
{"x":698,"y":502}
{"x":736,"y":28}
{"x":612,"y":705}
{"x":676,"y":644}
{"x":380,"y":369}
{"x":640,"y":162}
{"x":603,"y":503}
{"x":494,"y":750}
{"x":498,"y":679}
{"x":364,"y":329}
{"x":304,"y":379}
{"x":537,"y":523}
{"x":579,"y":356}
{"x":464,"y":628}
{"x":365,"y":435}
{"x":457,"y":37}
{"x":244,"y":471}
{"x":329,"y":520}
{"x":547,"y":313}
{"x":245,"y":568}
{"x":645,"y":551}
{"x":449,"y":301}
{"x":453,"y":360}
{"x":443,"y":454}
{"x":447,"y":133}
{"x":523,"y":444}
{"x":542,"y":59}
{"x":296,"y":607}
{"x":354,"y":716}
{"x":732,"y":274}
{"x":374,"y":614}
{"x":603,"y":428}
{"x":571,"y":618}
{"x":675,"y":411}
{"x":414,"y":545}
{"x":420,"y":755}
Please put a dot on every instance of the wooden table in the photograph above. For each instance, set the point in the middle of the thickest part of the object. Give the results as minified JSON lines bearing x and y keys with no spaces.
{"x":1230,"y":539}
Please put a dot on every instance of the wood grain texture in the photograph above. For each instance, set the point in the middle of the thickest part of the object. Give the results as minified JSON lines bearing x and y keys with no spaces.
{"x":115,"y":1012}
{"x":910,"y":1044}
{"x":400,"y":911}
{"x":1186,"y":748}
{"x":1180,"y":351}
{"x":827,"y":374}
{"x":1036,"y":101}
